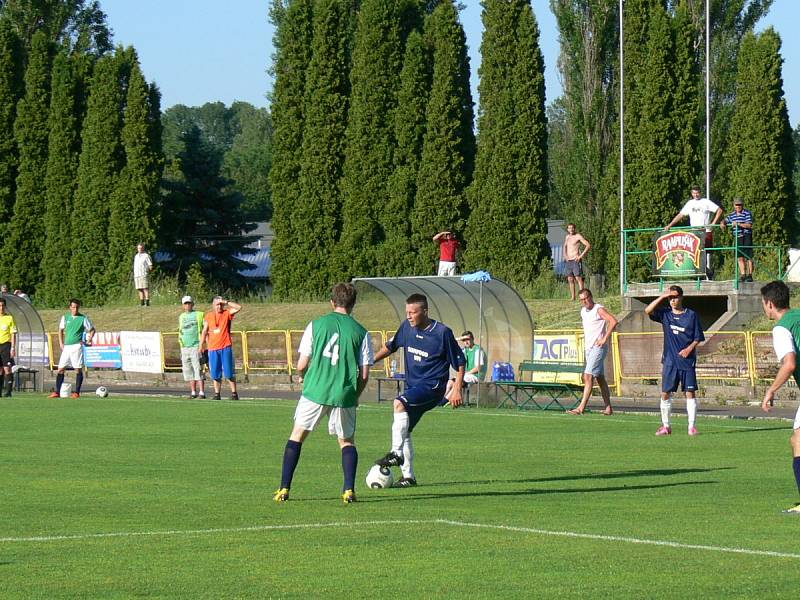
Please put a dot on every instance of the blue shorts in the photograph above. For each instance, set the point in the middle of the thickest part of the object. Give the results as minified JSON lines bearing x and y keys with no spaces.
{"x":595,"y":361}
{"x":221,"y":361}
{"x":671,"y":376}
{"x":418,"y":400}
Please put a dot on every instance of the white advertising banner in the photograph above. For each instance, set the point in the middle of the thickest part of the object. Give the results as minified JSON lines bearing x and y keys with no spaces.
{"x":141,"y":351}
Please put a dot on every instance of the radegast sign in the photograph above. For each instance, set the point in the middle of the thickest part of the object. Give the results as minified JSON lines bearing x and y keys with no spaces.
{"x":679,"y":254}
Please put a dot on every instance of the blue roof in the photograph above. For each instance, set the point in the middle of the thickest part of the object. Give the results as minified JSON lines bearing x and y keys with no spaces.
{"x":263,"y":262}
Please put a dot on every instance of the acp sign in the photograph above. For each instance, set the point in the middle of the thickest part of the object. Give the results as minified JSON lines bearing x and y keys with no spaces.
{"x":679,"y":254}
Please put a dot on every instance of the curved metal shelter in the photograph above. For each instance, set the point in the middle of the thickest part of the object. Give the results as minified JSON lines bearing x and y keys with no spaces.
{"x":32,"y":350}
{"x":492,"y":310}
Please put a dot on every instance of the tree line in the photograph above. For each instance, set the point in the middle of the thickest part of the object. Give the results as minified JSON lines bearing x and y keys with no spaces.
{"x":375,"y":149}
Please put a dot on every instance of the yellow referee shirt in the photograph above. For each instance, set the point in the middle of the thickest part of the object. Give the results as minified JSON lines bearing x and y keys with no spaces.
{"x":7,"y":327}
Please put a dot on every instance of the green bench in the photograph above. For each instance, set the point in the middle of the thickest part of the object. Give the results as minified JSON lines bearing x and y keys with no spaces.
{"x":543,"y":395}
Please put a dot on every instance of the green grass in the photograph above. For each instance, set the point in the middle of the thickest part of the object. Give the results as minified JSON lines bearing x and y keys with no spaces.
{"x":172,"y":498}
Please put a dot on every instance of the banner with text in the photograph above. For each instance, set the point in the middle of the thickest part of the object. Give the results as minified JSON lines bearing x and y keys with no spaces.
{"x":141,"y":351}
{"x":558,"y":348}
{"x":679,"y":254}
{"x":105,"y":351}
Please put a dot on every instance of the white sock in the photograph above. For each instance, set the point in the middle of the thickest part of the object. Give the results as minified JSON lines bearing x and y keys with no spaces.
{"x":408,"y":454}
{"x":399,"y":432}
{"x":666,"y":410}
{"x":691,"y":410}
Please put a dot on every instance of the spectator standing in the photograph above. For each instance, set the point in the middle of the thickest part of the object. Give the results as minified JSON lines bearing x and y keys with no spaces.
{"x":216,"y":336}
{"x":335,"y":356}
{"x":190,"y":326}
{"x":575,"y":248}
{"x":8,"y":349}
{"x":699,"y":211}
{"x":448,"y":245}
{"x":741,"y":220}
{"x":71,"y":331}
{"x":142,"y":265}
{"x":598,"y":325}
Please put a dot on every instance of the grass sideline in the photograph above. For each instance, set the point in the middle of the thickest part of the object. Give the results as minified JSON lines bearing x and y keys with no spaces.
{"x":141,"y":496}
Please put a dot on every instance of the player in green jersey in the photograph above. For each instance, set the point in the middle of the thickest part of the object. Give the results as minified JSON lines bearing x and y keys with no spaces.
{"x":785,"y":340}
{"x":190,"y":326}
{"x":335,"y":356}
{"x":74,"y":331}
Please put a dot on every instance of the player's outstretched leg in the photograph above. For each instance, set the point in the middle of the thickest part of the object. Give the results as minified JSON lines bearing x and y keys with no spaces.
{"x":408,"y":479}
{"x":394,"y":458}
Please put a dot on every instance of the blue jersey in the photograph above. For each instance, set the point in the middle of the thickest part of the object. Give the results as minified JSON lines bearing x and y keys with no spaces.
{"x":737,"y":218}
{"x":429,"y":354}
{"x":680,"y":330}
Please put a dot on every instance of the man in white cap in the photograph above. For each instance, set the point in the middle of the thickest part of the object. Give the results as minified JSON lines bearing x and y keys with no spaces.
{"x":190,"y":326}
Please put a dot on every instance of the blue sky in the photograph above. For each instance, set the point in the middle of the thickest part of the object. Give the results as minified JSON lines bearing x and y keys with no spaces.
{"x":199,"y":51}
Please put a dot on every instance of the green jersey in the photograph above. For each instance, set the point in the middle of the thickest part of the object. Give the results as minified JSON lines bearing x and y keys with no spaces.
{"x":475,"y":357}
{"x":75,"y":327}
{"x":190,"y":325}
{"x":791,"y":321}
{"x":338,"y":347}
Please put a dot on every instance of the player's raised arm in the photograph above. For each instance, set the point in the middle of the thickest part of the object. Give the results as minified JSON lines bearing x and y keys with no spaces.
{"x":233,"y":307}
{"x":650,"y":308}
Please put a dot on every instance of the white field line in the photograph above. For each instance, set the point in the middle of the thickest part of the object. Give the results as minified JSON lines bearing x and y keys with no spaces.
{"x":356,"y":524}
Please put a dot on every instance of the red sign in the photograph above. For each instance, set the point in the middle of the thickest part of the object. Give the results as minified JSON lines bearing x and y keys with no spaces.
{"x":677,"y":247}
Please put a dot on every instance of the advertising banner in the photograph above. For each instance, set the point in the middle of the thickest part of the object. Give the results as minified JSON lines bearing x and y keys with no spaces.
{"x":558,"y":348}
{"x":141,"y":351}
{"x":32,"y":350}
{"x":105,"y":351}
{"x":679,"y":254}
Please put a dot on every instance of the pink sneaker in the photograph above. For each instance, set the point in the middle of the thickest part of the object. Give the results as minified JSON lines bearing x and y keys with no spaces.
{"x":664,"y":430}
{"x":693,"y":430}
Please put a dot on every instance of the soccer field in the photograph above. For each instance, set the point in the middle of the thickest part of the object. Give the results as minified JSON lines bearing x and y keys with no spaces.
{"x":129,"y":496}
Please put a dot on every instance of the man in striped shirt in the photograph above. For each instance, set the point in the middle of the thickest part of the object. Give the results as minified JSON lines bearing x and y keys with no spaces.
{"x":741,"y":220}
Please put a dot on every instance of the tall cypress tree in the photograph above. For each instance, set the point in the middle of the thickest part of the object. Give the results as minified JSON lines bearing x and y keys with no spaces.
{"x":10,"y":91}
{"x":100,"y":163}
{"x":23,"y":244}
{"x":136,"y":195}
{"x":67,"y":105}
{"x":377,"y":61}
{"x":507,"y":231}
{"x":293,"y":54}
{"x":448,"y":151}
{"x":326,"y":103}
{"x":760,"y":151}
{"x":398,"y":253}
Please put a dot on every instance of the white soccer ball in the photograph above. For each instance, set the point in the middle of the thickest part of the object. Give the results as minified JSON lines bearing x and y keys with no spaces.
{"x":102,"y":391}
{"x":379,"y":477}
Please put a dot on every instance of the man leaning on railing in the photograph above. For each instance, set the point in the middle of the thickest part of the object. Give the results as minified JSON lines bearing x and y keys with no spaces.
{"x":699,"y":211}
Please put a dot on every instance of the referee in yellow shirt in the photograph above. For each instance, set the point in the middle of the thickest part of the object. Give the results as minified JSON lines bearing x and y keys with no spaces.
{"x":8,"y":348}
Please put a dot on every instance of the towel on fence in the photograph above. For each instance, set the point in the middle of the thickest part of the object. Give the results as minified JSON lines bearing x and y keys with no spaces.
{"x":476,"y":276}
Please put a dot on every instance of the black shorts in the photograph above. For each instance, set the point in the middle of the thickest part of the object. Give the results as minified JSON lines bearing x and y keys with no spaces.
{"x":574,"y":268}
{"x":5,"y":355}
{"x":745,"y":243}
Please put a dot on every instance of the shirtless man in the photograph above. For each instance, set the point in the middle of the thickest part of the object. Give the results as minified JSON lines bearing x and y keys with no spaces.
{"x":574,"y":255}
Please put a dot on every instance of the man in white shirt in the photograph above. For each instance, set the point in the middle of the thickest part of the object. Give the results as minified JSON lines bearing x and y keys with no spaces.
{"x":598,"y":325}
{"x":699,"y":211}
{"x":142,"y":265}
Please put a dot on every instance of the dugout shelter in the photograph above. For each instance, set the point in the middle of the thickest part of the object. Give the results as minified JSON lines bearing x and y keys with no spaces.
{"x":32,"y":351}
{"x":492,"y":310}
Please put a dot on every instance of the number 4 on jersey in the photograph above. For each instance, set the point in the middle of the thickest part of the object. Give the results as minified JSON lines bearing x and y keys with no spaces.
{"x":332,"y":349}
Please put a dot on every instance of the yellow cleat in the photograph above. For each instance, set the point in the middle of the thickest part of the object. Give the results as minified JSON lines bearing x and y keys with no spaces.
{"x":282,"y":495}
{"x":349,"y":497}
{"x":794,"y":510}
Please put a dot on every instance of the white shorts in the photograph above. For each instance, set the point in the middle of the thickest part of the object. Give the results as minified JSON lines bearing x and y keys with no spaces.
{"x":71,"y":355}
{"x":140,"y":283}
{"x":341,"y":421}
{"x":471,"y":378}
{"x":447,"y":269}
{"x":595,"y":359}
{"x":190,"y":362}
{"x":797,"y":419}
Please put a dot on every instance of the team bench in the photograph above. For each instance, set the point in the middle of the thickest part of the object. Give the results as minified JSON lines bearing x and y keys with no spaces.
{"x":540,"y":394}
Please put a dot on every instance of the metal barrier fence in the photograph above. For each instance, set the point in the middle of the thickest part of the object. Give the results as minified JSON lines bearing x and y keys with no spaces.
{"x":725,"y":355}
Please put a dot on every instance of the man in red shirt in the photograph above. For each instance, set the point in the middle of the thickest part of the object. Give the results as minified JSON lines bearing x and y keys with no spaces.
{"x":216,"y":336}
{"x":448,"y":244}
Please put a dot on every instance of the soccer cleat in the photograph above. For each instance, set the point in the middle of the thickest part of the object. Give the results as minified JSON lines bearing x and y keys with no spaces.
{"x":349,"y":497}
{"x":54,"y":395}
{"x":192,"y":396}
{"x":405,"y":482}
{"x":693,"y":431}
{"x":234,"y":396}
{"x":8,"y":394}
{"x":202,"y":396}
{"x":664,"y":430}
{"x":390,"y":460}
{"x":794,"y":510}
{"x":217,"y":397}
{"x":74,"y":395}
{"x":282,"y":495}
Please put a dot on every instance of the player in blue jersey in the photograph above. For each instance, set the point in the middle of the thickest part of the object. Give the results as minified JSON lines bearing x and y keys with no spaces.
{"x":682,"y":334}
{"x":430,"y":351}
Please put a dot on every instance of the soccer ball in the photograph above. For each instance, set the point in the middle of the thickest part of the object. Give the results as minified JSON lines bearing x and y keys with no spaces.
{"x":102,"y":391}
{"x":379,"y":477}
